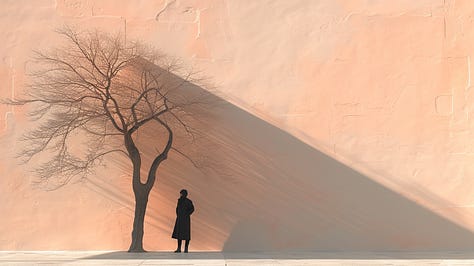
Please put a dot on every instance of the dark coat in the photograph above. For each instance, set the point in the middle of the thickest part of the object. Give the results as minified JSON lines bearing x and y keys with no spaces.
{"x":182,"y":226}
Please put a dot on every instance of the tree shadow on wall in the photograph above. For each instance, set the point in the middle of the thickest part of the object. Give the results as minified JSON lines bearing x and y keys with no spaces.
{"x":267,"y":191}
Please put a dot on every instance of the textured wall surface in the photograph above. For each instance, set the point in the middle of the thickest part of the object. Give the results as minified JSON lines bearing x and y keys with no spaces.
{"x":357,"y":132}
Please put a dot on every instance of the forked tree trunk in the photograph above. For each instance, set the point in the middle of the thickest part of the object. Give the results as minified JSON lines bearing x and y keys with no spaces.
{"x":141,"y":201}
{"x":142,"y":191}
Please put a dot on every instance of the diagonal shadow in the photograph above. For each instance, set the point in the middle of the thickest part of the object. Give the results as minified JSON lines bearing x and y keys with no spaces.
{"x":266,"y":191}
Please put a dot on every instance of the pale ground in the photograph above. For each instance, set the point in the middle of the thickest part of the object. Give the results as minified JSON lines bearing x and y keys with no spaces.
{"x":228,"y":259}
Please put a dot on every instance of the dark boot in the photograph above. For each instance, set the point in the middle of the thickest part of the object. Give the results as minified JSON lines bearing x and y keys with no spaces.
{"x":186,"y":245}
{"x":178,"y":250}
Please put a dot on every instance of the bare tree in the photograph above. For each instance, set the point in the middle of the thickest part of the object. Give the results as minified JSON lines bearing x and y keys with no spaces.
{"x":100,"y":87}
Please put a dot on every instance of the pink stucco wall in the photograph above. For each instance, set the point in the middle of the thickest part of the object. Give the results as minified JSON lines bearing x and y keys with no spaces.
{"x":372,"y":137}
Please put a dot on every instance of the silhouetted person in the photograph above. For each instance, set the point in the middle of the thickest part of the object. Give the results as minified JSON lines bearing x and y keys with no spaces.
{"x":182,"y":227}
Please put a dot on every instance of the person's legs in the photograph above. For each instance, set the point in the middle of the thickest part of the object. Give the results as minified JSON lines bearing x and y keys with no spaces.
{"x":186,"y":245}
{"x":179,"y":246}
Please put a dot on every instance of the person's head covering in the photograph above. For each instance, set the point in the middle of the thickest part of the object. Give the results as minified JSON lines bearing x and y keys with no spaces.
{"x":184,"y":193}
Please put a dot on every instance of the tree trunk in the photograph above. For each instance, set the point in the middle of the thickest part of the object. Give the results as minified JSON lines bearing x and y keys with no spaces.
{"x":142,"y":191}
{"x":141,"y":201}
